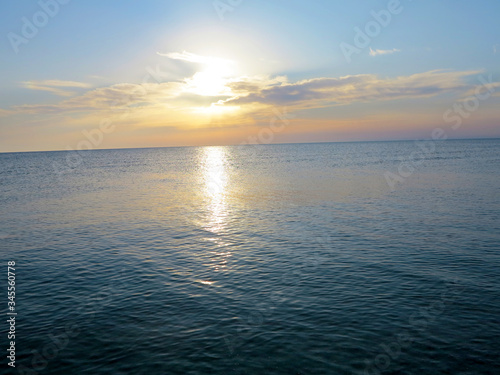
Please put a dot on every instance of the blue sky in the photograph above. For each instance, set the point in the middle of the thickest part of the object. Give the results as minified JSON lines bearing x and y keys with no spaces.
{"x":100,"y":44}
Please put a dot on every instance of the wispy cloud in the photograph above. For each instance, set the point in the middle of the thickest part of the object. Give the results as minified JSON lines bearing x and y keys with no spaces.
{"x":109,"y":98}
{"x":377,"y":52}
{"x":251,"y":94}
{"x":4,"y":112}
{"x":194,"y":58}
{"x":56,"y":87}
{"x":496,"y":49}
{"x":321,"y":92}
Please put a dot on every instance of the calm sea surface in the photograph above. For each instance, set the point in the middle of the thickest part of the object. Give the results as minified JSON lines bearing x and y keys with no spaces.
{"x":282,"y":259}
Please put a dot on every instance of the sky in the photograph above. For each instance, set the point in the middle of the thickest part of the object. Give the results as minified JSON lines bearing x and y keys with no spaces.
{"x":85,"y":74}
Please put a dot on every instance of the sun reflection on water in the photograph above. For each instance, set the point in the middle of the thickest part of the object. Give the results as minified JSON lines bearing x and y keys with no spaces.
{"x":215,"y":177}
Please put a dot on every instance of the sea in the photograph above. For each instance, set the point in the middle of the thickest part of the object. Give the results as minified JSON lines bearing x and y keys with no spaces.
{"x":293,"y":259}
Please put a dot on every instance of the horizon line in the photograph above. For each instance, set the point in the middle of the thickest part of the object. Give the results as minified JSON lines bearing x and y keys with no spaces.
{"x":253,"y":144}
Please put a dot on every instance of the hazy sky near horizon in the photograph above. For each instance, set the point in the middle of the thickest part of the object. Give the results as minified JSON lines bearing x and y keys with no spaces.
{"x":203,"y":72}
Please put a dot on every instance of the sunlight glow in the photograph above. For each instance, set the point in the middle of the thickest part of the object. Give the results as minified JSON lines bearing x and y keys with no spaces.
{"x":207,"y":84}
{"x":212,"y":80}
{"x":215,"y":109}
{"x":215,"y":179}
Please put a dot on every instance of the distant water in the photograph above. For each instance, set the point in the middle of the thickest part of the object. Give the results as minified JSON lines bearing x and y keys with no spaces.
{"x":282,"y":259}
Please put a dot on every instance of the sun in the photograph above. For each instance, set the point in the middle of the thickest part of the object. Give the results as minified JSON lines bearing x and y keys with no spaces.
{"x":213,"y":79}
{"x":211,"y":82}
{"x":207,"y":83}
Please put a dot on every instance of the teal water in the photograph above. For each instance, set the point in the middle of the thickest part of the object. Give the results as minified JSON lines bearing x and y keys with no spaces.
{"x":282,"y":259}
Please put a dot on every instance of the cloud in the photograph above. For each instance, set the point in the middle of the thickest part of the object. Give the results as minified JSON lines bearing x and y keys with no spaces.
{"x":481,"y":90}
{"x":4,"y":112}
{"x":383,"y":51}
{"x":109,"y":98}
{"x":251,"y":84}
{"x":496,"y":49}
{"x":252,"y":94}
{"x":321,"y":92}
{"x":55,"y":86}
{"x":194,"y":58}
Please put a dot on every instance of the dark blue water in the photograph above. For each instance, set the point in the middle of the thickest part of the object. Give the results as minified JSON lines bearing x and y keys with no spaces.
{"x":283,"y":259}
